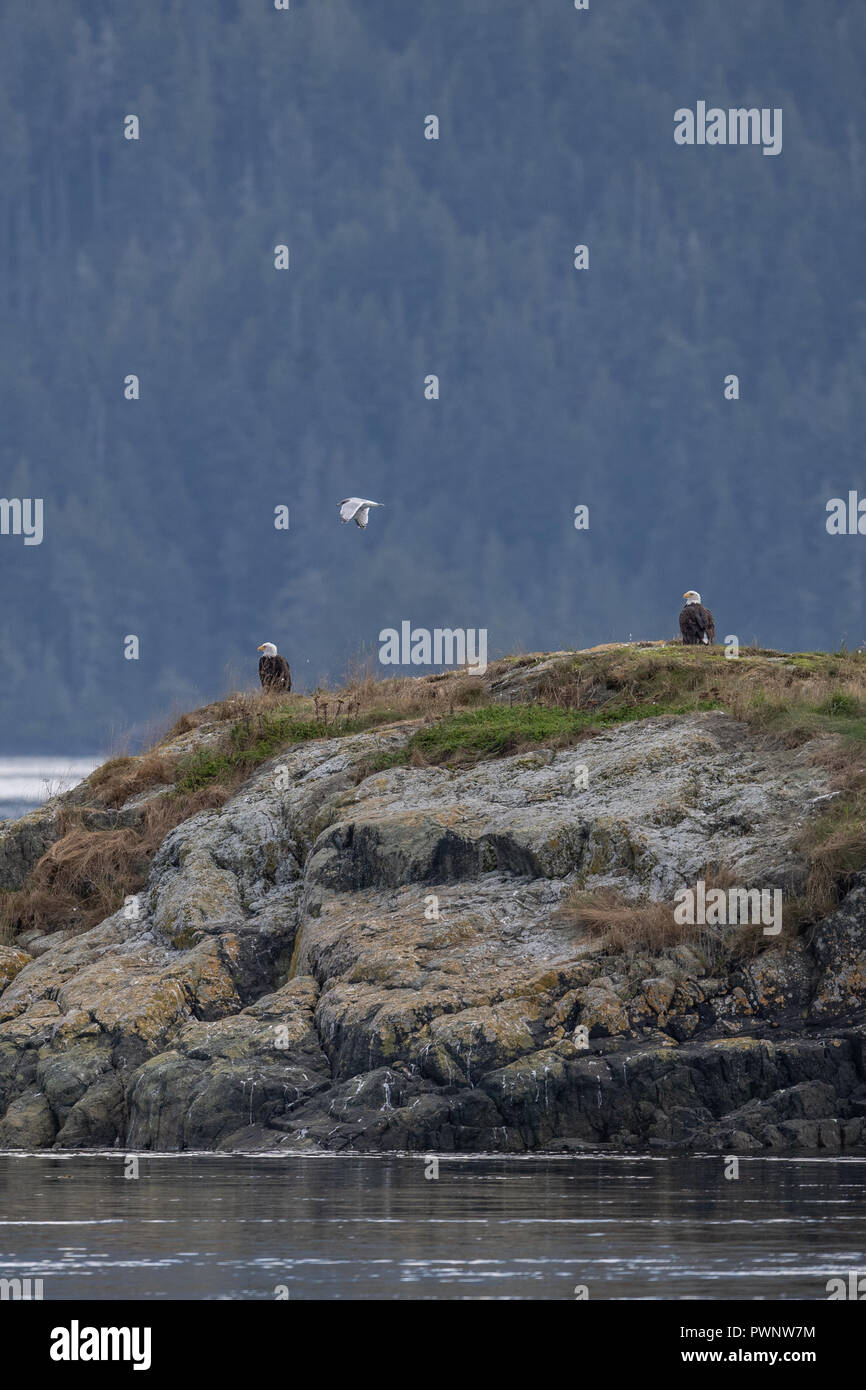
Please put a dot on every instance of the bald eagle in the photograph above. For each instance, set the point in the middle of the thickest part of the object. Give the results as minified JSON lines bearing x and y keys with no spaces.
{"x":274,"y":672}
{"x":696,"y":622}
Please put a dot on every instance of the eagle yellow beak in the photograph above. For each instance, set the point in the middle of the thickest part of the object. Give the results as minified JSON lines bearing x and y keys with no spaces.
{"x":258,"y":649}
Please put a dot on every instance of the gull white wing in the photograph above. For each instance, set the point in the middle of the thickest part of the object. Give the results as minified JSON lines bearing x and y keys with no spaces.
{"x":357,"y":509}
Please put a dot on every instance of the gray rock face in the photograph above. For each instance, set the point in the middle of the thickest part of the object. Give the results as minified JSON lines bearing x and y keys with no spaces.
{"x":839,"y":946}
{"x":23,"y":842}
{"x":657,"y":807}
{"x":332,"y":961}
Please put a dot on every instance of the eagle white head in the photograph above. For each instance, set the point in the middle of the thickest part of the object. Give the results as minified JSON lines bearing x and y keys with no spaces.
{"x":691,"y":596}
{"x":267,"y":649}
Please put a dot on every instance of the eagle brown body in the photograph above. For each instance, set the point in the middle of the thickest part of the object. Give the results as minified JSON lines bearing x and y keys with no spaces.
{"x":697,"y":625}
{"x":274,"y":673}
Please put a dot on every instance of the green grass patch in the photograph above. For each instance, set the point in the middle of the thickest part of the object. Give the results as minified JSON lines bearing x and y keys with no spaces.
{"x":200,"y":769}
{"x":494,"y":730}
{"x":253,"y":741}
{"x":497,"y":730}
{"x":841,"y":704}
{"x":842,"y":715}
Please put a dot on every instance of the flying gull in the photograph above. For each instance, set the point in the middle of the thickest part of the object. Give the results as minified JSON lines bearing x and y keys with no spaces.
{"x":357,"y":509}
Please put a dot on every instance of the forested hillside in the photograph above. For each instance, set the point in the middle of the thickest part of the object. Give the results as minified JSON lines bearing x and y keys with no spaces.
{"x":411,"y":257}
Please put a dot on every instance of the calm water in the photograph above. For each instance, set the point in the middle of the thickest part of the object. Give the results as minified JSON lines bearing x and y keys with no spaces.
{"x":204,"y":1226}
{"x":26,"y":782}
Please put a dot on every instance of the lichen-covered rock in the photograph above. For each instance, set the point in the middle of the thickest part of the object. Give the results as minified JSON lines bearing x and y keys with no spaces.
{"x":839,"y":947}
{"x":11,"y":962}
{"x":23,"y":842}
{"x":659,"y":993}
{"x":347,"y":961}
{"x":601,"y":1012}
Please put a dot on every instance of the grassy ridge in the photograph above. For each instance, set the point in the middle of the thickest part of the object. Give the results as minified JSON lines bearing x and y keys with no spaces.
{"x":497,"y":730}
{"x":253,"y":742}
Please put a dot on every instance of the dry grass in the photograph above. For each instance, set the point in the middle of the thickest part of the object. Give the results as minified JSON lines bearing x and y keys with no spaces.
{"x":363,"y":694}
{"x":87,"y":874}
{"x":834,"y":844}
{"x":795,"y":696}
{"x":406,"y":697}
{"x":627,"y":926}
{"x":767,"y":689}
{"x":619,"y":923}
{"x":238,"y":704}
{"x":120,"y":779}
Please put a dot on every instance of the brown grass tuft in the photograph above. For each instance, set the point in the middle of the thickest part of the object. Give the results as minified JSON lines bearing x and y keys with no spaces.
{"x":122,"y":778}
{"x":621,"y":924}
{"x":627,"y":926}
{"x":87,"y":874}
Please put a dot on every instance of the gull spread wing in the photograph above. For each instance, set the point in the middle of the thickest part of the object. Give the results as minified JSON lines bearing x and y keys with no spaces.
{"x":357,"y":509}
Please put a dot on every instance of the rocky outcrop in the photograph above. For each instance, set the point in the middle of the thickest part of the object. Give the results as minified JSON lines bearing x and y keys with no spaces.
{"x":24,"y":841}
{"x":333,"y":960}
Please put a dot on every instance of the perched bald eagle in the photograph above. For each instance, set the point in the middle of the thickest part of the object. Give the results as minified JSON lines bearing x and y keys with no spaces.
{"x":274,"y":672}
{"x":696,"y":622}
